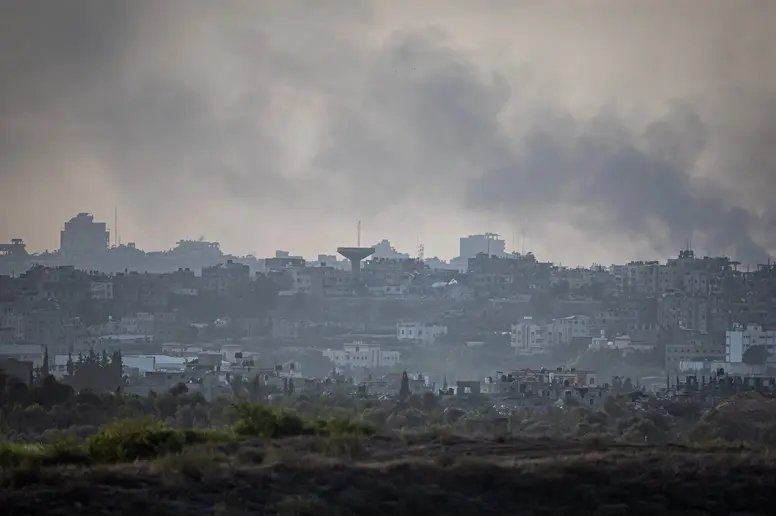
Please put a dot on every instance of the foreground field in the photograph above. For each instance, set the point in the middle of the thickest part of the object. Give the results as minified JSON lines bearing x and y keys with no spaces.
{"x":402,"y":476}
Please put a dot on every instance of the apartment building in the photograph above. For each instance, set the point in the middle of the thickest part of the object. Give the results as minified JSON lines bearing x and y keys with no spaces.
{"x":693,"y":345}
{"x":741,"y":338}
{"x":419,"y":332}
{"x":361,"y":355}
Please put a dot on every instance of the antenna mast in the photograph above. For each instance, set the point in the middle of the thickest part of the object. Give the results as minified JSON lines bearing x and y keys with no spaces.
{"x":358,"y":232}
{"x":522,"y":241}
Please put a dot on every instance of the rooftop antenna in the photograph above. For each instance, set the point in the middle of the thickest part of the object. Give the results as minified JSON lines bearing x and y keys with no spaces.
{"x":115,"y":225}
{"x":358,"y":232}
{"x":522,"y":243}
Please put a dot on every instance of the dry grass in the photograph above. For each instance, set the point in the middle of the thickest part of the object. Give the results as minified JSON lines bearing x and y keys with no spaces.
{"x":345,"y":476}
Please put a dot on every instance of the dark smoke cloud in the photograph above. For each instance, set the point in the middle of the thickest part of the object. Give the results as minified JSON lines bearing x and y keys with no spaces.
{"x":648,"y":124}
{"x":616,"y":180}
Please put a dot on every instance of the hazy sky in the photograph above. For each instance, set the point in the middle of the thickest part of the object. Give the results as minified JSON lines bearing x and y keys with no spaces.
{"x":606,"y":130}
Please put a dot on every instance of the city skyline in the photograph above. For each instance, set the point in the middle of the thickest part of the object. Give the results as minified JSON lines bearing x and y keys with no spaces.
{"x":519,"y":243}
{"x":607,"y":133}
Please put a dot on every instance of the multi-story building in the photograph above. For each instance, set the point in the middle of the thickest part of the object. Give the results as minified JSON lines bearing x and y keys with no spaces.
{"x":102,"y":290}
{"x":83,"y":236}
{"x":46,"y":327}
{"x":295,"y":280}
{"x":283,"y":260}
{"x":613,"y":321}
{"x":384,"y":249}
{"x":530,"y":338}
{"x":231,"y":277}
{"x":638,"y":277}
{"x":488,"y":244}
{"x":14,"y":258}
{"x":392,"y":272}
{"x":419,"y":332}
{"x":499,"y":277}
{"x":573,"y":327}
{"x":741,"y":338}
{"x":693,"y":345}
{"x":680,"y":310}
{"x":360,"y":355}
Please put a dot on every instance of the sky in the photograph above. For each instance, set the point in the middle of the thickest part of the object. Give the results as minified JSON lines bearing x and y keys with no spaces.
{"x":589,"y":131}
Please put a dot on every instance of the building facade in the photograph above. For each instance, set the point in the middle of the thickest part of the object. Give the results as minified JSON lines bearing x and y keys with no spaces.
{"x":83,"y":236}
{"x":419,"y":332}
{"x":361,"y":355}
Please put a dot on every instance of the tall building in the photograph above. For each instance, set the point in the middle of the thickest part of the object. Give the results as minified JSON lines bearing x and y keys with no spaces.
{"x":83,"y":236}
{"x":489,"y":243}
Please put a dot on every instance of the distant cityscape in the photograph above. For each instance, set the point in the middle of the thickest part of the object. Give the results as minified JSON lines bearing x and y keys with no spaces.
{"x":369,"y":310}
{"x":86,"y":244}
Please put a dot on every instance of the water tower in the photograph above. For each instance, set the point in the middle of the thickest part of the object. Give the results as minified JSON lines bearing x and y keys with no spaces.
{"x":355,"y":255}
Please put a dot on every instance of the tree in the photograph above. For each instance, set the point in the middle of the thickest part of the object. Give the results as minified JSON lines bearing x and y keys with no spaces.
{"x":116,"y":367}
{"x":45,"y":368}
{"x":104,"y":359}
{"x":291,"y":388}
{"x":70,"y":365}
{"x":756,"y":355}
{"x":254,"y":390}
{"x":404,"y":390}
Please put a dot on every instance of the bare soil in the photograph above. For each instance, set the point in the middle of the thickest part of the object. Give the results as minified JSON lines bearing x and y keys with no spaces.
{"x":423,"y":476}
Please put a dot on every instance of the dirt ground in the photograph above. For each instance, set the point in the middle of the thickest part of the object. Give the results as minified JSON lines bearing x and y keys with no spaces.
{"x":406,"y":477}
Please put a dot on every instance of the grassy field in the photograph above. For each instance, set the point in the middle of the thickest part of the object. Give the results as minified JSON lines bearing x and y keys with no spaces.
{"x":355,"y":474}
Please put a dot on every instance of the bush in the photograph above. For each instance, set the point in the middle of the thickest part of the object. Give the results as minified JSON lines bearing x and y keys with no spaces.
{"x":334,"y":426}
{"x":274,"y":422}
{"x":64,"y":452}
{"x":267,"y":422}
{"x":141,"y":439}
{"x":13,"y":455}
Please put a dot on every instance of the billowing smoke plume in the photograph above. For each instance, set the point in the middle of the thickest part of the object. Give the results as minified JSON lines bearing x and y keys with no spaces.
{"x":648,"y":125}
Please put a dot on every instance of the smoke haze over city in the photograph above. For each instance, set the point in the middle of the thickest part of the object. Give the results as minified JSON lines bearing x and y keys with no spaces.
{"x":603,"y":130}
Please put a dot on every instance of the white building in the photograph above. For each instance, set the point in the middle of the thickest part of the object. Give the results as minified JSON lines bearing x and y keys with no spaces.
{"x":419,"y":332}
{"x":359,"y":354}
{"x":742,"y":338}
{"x":622,"y":343}
{"x":574,"y":327}
{"x":529,"y":338}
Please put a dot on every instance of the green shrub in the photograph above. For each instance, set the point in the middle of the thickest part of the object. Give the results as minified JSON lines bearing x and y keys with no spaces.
{"x":334,"y":426}
{"x":62,"y":452}
{"x":272,"y":423}
{"x":268,"y":422}
{"x":13,"y":455}
{"x":140,"y":439}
